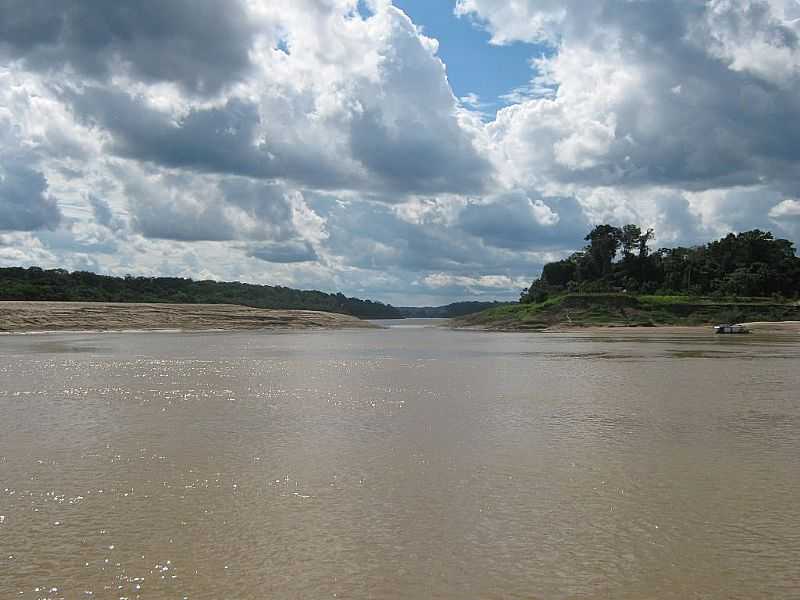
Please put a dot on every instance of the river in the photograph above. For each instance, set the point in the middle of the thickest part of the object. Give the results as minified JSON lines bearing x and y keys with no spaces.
{"x":411,"y":462}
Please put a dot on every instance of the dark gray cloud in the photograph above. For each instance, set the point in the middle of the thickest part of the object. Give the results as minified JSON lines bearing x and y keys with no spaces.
{"x":292,"y":251}
{"x":371,"y":236}
{"x":213,"y":140}
{"x":200,"y":44}
{"x":515,"y":222}
{"x":217,"y":140}
{"x":264,"y":203}
{"x":182,"y":208}
{"x":418,"y":156}
{"x":384,"y":241}
{"x":170,"y":208}
{"x":180,"y":222}
{"x":101,"y":211}
{"x":105,"y":216}
{"x":24,"y":202}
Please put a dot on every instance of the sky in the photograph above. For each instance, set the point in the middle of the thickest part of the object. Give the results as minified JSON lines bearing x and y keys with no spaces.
{"x":416,"y":152}
{"x":483,"y":76}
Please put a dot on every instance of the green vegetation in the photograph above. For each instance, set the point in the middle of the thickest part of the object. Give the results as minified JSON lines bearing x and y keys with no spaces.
{"x":631,"y":310}
{"x":747,"y":264}
{"x":456,"y":309}
{"x":617,"y":280}
{"x":59,"y":285}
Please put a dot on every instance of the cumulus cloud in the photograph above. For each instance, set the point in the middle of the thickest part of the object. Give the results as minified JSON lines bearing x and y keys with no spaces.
{"x":651,"y":93}
{"x":104,"y":215}
{"x":188,"y":208}
{"x":24,"y":202}
{"x":433,"y":242}
{"x":22,"y":249}
{"x":486,"y":282}
{"x":785,"y":217}
{"x":220,"y":139}
{"x":200,"y":44}
{"x":292,"y":251}
{"x":392,"y":125}
{"x":517,"y":222}
{"x":788,"y":209}
{"x":412,"y":138}
{"x":315,"y":143}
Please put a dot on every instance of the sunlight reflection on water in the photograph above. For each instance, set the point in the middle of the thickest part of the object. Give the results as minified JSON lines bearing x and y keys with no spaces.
{"x":402,"y":463}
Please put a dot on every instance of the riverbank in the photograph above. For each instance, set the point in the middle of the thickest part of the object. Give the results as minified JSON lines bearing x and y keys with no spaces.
{"x":762,"y":327}
{"x":106,"y":316}
{"x":614,"y":311}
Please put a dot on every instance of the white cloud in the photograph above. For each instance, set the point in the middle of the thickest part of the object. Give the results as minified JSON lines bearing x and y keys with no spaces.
{"x":318,"y":148}
{"x":788,"y":209}
{"x":485,"y":282}
{"x":24,"y":250}
{"x":518,"y":20}
{"x":752,"y":38}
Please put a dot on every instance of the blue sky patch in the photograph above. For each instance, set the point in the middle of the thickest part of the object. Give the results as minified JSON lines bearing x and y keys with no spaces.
{"x":474,"y":66}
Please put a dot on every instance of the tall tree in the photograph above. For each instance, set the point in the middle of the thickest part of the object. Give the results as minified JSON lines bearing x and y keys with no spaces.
{"x":604,"y":241}
{"x":631,"y":234}
{"x":642,"y":242}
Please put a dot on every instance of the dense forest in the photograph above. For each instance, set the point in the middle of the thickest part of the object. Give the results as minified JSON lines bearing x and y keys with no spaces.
{"x":449,"y":311}
{"x":38,"y":284}
{"x":748,"y":264}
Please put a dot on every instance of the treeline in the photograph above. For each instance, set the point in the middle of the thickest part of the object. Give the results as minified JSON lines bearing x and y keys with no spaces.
{"x":449,"y":311}
{"x":752,"y":263}
{"x":81,"y":286}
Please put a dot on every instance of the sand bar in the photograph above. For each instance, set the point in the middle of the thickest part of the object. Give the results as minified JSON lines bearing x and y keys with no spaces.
{"x":107,"y":316}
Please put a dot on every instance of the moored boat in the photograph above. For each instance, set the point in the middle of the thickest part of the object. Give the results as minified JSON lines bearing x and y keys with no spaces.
{"x":726,"y":328}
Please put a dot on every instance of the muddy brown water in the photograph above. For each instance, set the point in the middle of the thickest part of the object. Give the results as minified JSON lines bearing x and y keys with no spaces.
{"x":412,"y":462}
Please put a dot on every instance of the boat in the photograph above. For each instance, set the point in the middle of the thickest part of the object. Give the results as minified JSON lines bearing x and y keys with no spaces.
{"x":727,"y":328}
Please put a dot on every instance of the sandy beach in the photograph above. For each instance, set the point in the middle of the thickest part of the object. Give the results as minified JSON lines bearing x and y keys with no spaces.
{"x":102,"y":316}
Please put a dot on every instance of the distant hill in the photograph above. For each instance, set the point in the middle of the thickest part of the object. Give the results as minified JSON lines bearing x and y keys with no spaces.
{"x":80,"y":286}
{"x":456,"y":309}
